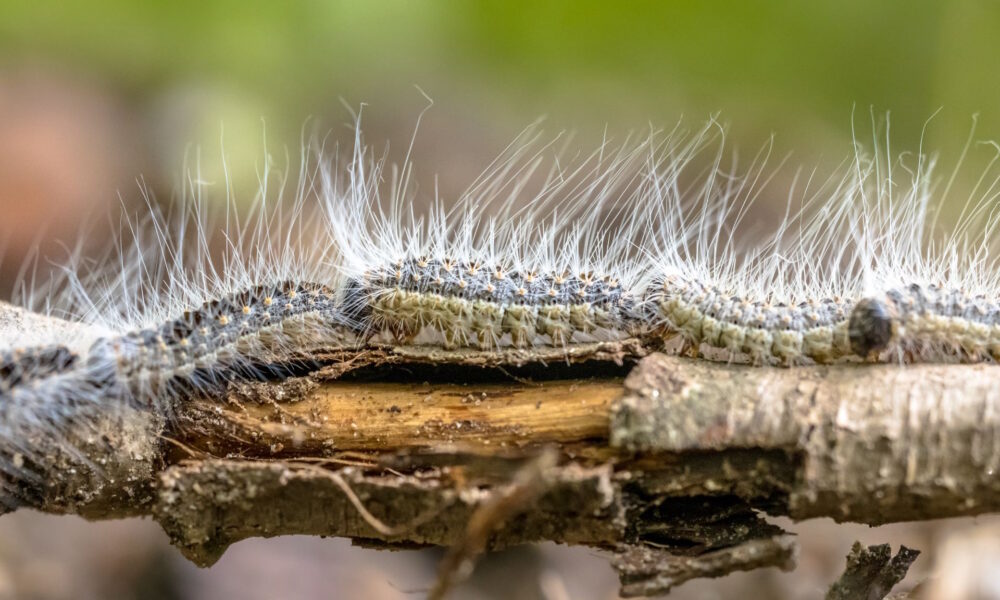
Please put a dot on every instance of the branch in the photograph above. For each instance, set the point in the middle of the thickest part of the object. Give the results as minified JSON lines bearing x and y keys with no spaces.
{"x":670,"y":468}
{"x":527,"y":484}
{"x":869,"y":443}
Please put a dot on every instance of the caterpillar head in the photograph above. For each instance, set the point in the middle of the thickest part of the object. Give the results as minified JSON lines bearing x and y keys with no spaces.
{"x":355,"y":304}
{"x":871,"y":327}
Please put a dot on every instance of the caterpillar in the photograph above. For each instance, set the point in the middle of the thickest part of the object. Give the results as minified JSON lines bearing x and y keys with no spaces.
{"x":927,"y":299}
{"x":525,"y":257}
{"x":636,"y":240}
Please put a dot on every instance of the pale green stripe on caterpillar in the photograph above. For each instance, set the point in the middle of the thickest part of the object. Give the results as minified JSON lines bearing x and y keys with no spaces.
{"x":476,"y":305}
{"x":766,"y":332}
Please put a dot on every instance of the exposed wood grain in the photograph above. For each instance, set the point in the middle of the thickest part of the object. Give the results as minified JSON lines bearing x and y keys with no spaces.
{"x":301,"y":417}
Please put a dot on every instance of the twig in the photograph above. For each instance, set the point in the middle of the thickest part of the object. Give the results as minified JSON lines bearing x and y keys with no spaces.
{"x":527,"y":484}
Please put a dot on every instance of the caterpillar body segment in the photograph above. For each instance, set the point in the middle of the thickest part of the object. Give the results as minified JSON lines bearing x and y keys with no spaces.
{"x":926,"y":323}
{"x":231,"y":336}
{"x":487,"y":306}
{"x":19,"y":366}
{"x":767,"y":332}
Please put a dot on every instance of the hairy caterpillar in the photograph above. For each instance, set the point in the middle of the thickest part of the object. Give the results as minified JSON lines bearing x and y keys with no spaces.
{"x":525,"y":257}
{"x":223,"y":336}
{"x":928,"y":299}
{"x":639,"y":240}
{"x":868,"y":273}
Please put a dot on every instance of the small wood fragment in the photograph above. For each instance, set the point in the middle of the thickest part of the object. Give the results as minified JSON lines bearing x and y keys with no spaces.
{"x":871,"y":572}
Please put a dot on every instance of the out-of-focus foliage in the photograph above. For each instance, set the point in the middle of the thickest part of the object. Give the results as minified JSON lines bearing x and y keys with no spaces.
{"x":792,"y":67}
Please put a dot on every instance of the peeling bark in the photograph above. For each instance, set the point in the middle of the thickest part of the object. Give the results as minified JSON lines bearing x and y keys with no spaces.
{"x":207,"y":506}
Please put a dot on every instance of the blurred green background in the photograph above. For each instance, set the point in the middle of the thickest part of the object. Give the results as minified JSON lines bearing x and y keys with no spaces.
{"x":96,"y":94}
{"x":180,"y":73}
{"x":792,"y":67}
{"x":130,"y":87}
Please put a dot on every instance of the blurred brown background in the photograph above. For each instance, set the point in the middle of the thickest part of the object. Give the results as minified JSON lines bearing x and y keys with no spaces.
{"x":95,"y":95}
